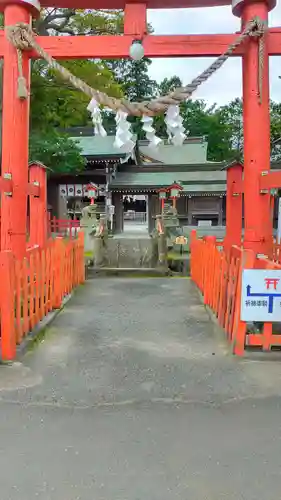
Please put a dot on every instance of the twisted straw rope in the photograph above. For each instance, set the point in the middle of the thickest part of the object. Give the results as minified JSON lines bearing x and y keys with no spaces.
{"x":23,"y":38}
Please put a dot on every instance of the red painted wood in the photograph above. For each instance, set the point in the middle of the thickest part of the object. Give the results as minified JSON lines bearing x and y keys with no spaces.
{"x":7,"y":302}
{"x":135,"y":19}
{"x":258,"y":225}
{"x":120,"y":4}
{"x":107,"y":47}
{"x":15,"y":132}
{"x":6,"y":185}
{"x":233,"y":207}
{"x":33,"y":190}
{"x":271,"y":180}
{"x":38,"y":206}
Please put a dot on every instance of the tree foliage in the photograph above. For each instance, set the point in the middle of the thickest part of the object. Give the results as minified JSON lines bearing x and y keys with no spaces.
{"x":222,"y":125}
{"x":199,"y":119}
{"x":133,"y":77}
{"x":78,"y":22}
{"x":56,"y":150}
{"x":55,"y":103}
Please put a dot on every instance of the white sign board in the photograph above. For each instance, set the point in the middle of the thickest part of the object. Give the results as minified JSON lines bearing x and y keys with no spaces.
{"x":261,"y":295}
{"x":204,"y":223}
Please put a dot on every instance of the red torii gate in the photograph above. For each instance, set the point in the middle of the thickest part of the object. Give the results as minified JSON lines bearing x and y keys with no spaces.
{"x":257,"y":179}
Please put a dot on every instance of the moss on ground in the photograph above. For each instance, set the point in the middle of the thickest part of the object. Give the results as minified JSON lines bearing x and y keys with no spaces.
{"x":33,"y":340}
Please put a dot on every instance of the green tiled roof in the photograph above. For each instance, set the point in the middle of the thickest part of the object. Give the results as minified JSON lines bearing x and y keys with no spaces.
{"x":188,"y":153}
{"x":190,"y":181}
{"x":98,"y":146}
{"x":193,"y":152}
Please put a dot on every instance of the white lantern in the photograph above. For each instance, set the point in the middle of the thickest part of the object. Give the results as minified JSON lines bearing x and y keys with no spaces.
{"x":136,"y":50}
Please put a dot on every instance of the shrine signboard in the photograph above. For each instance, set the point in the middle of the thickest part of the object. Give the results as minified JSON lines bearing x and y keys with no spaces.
{"x":261,"y":295}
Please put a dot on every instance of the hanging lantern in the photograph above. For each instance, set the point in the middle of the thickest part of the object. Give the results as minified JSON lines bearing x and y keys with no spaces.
{"x":136,"y":50}
{"x":175,"y":189}
{"x":92,"y":191}
{"x":162,"y":192}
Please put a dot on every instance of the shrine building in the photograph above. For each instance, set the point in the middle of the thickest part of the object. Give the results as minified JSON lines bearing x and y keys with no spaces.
{"x":133,"y":189}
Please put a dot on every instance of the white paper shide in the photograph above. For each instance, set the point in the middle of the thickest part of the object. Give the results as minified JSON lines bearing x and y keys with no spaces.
{"x":94,"y":109}
{"x":124,"y":138}
{"x":149,"y":130}
{"x":175,"y":129}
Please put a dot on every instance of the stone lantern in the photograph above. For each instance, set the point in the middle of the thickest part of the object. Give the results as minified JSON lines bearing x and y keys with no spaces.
{"x":174,"y":190}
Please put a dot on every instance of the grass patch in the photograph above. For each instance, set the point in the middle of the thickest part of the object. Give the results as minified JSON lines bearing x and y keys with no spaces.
{"x":177,"y":256}
{"x":33,"y":340}
{"x":88,"y":254}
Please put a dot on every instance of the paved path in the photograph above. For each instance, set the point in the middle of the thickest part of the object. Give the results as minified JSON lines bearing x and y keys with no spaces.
{"x":132,"y":396}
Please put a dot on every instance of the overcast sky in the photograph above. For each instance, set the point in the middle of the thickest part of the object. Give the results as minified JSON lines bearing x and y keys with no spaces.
{"x":226,"y":84}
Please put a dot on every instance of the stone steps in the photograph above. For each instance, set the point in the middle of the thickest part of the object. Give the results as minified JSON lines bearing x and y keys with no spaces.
{"x":92,"y":272}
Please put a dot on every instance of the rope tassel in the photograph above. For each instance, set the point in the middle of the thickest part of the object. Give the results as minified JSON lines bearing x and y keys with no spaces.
{"x":22,"y":88}
{"x":22,"y":84}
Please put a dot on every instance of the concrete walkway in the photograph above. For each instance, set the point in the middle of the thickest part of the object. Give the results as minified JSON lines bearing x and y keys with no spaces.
{"x":132,"y":396}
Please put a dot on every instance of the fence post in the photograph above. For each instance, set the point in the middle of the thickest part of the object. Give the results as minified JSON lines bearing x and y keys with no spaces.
{"x":239,"y":326}
{"x":81,"y":278}
{"x":210,"y":244}
{"x":38,"y":205}
{"x":192,"y":239}
{"x":7,"y":298}
{"x":192,"y":236}
{"x":58,"y":272}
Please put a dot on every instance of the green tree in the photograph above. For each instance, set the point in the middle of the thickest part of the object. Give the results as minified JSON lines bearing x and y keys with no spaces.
{"x":275,"y":130}
{"x":53,"y":21}
{"x":54,"y":102}
{"x":232,"y":116}
{"x":56,"y":150}
{"x":169,"y":85}
{"x":199,"y":120}
{"x":133,"y":77}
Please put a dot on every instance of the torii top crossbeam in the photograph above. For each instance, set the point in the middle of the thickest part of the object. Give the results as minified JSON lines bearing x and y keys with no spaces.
{"x":120,"y":4}
{"x":135,"y":25}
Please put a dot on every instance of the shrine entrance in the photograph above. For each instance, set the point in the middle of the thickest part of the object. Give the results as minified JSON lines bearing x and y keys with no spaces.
{"x":135,"y":219}
{"x":252,"y":180}
{"x":254,"y":44}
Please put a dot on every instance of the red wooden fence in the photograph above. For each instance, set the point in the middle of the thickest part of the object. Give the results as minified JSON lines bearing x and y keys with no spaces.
{"x":218,"y":275}
{"x":32,"y":287}
{"x":64,"y":227}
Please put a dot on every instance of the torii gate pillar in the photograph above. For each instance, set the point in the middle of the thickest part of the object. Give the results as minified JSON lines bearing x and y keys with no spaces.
{"x":256,"y":118}
{"x":15,"y":136}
